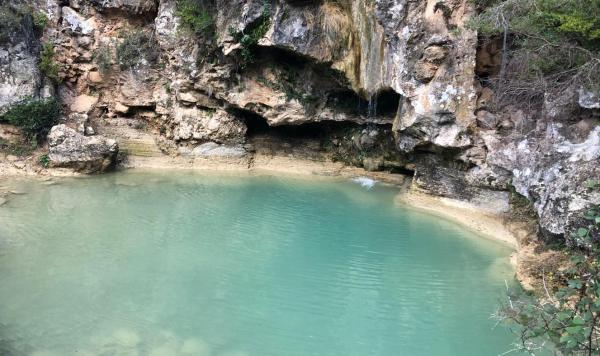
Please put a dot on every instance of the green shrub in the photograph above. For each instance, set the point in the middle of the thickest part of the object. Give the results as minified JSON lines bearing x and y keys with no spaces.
{"x":35,"y":117}
{"x":47,"y":64}
{"x":196,"y":16}
{"x":548,"y":45}
{"x":44,"y":160}
{"x":40,"y":20}
{"x":567,"y":315}
{"x":103,"y":58}
{"x":136,"y":48}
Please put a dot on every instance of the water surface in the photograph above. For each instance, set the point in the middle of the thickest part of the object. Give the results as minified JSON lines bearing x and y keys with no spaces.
{"x":198,"y":264}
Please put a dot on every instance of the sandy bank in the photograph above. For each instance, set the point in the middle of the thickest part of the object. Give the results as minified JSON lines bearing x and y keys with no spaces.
{"x":470,"y":216}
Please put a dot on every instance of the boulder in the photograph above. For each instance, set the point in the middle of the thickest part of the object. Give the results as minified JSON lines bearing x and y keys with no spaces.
{"x":86,"y":154}
{"x":75,"y":22}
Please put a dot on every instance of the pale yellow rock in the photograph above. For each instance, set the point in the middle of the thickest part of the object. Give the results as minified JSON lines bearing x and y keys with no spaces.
{"x":83,"y":103}
{"x":95,"y":77}
{"x":123,"y":109}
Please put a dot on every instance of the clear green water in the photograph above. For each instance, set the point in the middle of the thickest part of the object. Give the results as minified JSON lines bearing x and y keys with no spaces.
{"x":189,"y":264}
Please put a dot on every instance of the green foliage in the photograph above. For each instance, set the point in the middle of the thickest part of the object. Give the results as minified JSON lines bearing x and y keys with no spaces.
{"x":44,"y":160}
{"x":103,"y":58}
{"x":47,"y":64}
{"x":249,"y":41}
{"x":571,"y":20}
{"x":136,"y":48}
{"x":549,"y":45}
{"x":570,"y":316}
{"x":35,"y":117}
{"x":195,"y":16}
{"x":40,"y":20}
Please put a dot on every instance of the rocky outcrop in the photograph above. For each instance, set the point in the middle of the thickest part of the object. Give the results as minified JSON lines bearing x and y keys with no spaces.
{"x":19,"y":74}
{"x":87,"y":154}
{"x":382,"y":84}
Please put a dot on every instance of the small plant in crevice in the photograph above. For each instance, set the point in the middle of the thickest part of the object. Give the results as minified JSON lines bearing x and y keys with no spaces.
{"x":44,"y":160}
{"x":249,"y":41}
{"x":196,"y":16}
{"x":40,"y":20}
{"x":136,"y":48}
{"x":47,"y":64}
{"x":103,"y":57}
{"x":34,"y":116}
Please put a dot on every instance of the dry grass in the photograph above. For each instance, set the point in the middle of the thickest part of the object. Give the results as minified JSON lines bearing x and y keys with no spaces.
{"x":336,"y":25}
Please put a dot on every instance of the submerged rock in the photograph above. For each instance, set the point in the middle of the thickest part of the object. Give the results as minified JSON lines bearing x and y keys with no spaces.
{"x":87,"y":154}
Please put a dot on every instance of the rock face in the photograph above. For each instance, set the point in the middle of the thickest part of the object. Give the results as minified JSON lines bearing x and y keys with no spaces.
{"x":19,"y":73}
{"x":87,"y":154}
{"x":382,"y":84}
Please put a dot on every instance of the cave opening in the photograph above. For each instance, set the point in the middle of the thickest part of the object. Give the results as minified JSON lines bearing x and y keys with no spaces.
{"x":384,"y":104}
{"x":258,"y":126}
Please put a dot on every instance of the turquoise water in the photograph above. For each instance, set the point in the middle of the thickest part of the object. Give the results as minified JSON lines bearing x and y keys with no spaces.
{"x":199,"y":264}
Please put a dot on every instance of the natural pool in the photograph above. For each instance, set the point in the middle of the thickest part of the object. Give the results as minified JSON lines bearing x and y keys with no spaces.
{"x":204,"y":264}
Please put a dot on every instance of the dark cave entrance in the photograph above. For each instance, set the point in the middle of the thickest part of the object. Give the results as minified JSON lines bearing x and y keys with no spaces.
{"x":384,"y":104}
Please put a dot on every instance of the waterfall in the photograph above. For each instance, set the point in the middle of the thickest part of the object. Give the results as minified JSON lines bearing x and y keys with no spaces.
{"x":372,"y":108}
{"x":365,"y":182}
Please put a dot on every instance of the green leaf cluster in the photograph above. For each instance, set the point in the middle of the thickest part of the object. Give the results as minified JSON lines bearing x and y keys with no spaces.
{"x":249,"y":41}
{"x":196,"y":16}
{"x":570,"y":317}
{"x":34,"y":116}
{"x":47,"y":64}
{"x":136,"y":48}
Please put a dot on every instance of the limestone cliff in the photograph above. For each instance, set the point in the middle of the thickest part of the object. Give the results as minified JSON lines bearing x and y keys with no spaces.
{"x":390,"y":85}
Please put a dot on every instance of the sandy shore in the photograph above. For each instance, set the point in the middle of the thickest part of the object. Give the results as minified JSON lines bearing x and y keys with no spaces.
{"x":492,"y":226}
{"x":275,"y":165}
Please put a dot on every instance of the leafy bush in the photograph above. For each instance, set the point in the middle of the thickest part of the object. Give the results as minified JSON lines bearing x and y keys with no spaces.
{"x":196,"y":16}
{"x":136,"y":48}
{"x":35,"y":117}
{"x":44,"y":160}
{"x":40,"y":20}
{"x":47,"y":64}
{"x":548,"y":45}
{"x":570,"y":315}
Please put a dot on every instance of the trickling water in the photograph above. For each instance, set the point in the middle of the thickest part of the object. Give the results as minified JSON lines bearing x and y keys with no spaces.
{"x":372,"y":111}
{"x":185,"y":264}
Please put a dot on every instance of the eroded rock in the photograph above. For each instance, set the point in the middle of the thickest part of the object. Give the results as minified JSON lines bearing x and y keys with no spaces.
{"x":88,"y":154}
